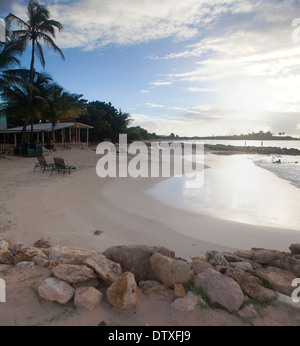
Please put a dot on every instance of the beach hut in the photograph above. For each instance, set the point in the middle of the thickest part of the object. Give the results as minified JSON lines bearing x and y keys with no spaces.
{"x":65,"y":135}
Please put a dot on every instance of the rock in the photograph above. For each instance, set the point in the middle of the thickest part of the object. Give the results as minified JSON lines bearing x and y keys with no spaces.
{"x":288,"y":263}
{"x":123,"y":293}
{"x":41,"y":261}
{"x":53,"y":289}
{"x":4,"y":246}
{"x":135,"y":258}
{"x":27,"y":254}
{"x":295,"y":249}
{"x":15,"y":247}
{"x":179,"y":290}
{"x":106,"y":269}
{"x":265,"y":257}
{"x":73,"y":273}
{"x":6,"y":257}
{"x":221,"y":290}
{"x":151,"y":286}
{"x":42,"y":244}
{"x":246,"y":266}
{"x":70,"y":255}
{"x":188,"y":302}
{"x":25,"y":264}
{"x":279,"y":279}
{"x":198,"y":266}
{"x":87,"y":297}
{"x":216,"y":259}
{"x":170,"y":271}
{"x":248,"y":311}
{"x":90,"y":283}
{"x":245,"y":254}
{"x":251,"y":285}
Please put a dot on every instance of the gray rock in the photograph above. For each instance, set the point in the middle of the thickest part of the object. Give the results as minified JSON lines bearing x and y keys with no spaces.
{"x":216,"y":259}
{"x":53,"y":289}
{"x":242,"y":265}
{"x":222,"y":291}
{"x":199,"y":266}
{"x":170,"y":271}
{"x":136,"y":259}
{"x":265,"y":257}
{"x":288,"y":263}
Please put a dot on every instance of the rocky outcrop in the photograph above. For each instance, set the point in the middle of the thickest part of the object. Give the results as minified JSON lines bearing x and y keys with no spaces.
{"x":218,"y":279}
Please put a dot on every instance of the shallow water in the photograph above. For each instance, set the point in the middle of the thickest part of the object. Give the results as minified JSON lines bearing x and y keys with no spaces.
{"x":234,"y":188}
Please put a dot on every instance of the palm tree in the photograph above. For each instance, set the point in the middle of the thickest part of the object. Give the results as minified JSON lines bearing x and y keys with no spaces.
{"x":61,"y":106}
{"x":16,"y":90}
{"x":38,"y":28}
{"x":119,"y":124}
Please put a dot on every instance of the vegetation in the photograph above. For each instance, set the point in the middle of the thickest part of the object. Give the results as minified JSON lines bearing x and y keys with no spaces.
{"x":38,"y":27}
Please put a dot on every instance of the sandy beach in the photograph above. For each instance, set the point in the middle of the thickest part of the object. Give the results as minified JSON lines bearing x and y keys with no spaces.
{"x":67,"y":210}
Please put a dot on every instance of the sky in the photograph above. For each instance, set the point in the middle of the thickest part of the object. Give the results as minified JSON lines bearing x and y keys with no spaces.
{"x":192,"y":67}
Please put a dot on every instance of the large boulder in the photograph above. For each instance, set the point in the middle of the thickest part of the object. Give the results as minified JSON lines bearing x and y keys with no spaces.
{"x":136,"y":259}
{"x":87,"y":297}
{"x":73,"y":273}
{"x":123,"y":293}
{"x":221,"y":290}
{"x":265,"y":257}
{"x":53,"y":289}
{"x":106,"y":269}
{"x":170,"y":271}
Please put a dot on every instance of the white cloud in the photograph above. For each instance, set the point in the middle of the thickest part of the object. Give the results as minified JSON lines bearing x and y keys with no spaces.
{"x":154,"y":105}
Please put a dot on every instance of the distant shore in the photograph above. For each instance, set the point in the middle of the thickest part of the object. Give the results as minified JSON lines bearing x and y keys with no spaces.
{"x":232,"y":149}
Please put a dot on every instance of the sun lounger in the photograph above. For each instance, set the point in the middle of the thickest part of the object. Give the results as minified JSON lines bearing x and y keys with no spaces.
{"x":61,"y":166}
{"x":42,"y":163}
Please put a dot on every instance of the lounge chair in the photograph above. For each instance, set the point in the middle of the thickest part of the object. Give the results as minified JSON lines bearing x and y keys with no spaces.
{"x":60,"y":165}
{"x":43,"y":164}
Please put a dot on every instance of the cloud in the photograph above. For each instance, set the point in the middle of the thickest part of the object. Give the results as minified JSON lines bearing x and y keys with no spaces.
{"x":154,"y":105}
{"x":91,"y":24}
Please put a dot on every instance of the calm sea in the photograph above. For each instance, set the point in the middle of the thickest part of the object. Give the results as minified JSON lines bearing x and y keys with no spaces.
{"x":245,"y":188}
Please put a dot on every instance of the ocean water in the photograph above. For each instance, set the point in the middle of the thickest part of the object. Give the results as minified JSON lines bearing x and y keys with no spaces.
{"x":243,"y":188}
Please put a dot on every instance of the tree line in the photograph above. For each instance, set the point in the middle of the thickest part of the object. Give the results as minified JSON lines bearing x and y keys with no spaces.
{"x":30,"y":96}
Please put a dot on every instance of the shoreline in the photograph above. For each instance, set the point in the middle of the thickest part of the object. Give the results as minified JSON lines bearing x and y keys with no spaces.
{"x":68,"y":210}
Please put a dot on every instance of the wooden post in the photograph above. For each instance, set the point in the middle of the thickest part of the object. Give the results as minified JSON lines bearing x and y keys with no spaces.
{"x":15,"y":139}
{"x":87,"y":137}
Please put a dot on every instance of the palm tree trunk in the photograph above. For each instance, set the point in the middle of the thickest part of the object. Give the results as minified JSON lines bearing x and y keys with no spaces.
{"x":28,"y":113}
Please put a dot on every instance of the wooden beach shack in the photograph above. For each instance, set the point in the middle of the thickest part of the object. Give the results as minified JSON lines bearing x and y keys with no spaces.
{"x":65,"y":135}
